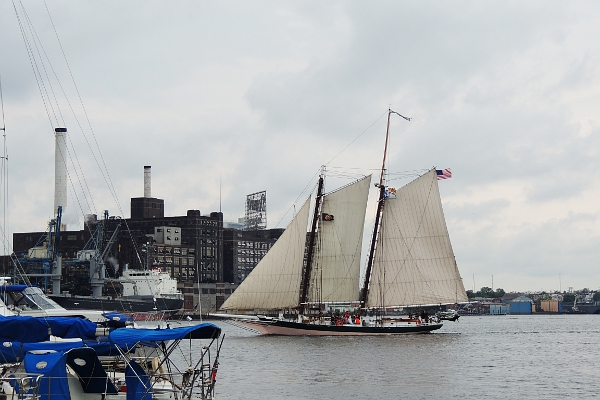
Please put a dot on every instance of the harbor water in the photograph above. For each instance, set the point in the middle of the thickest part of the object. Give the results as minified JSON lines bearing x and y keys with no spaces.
{"x":492,"y":357}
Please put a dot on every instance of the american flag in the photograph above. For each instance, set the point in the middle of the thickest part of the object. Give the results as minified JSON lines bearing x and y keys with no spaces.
{"x":444,"y":173}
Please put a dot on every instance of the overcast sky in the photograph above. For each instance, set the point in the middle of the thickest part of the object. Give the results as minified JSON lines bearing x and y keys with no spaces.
{"x":224,"y":99}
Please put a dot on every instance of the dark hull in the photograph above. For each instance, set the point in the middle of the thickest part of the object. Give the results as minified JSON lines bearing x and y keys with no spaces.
{"x":163,"y":305}
{"x":278,"y":327}
{"x":582,"y":308}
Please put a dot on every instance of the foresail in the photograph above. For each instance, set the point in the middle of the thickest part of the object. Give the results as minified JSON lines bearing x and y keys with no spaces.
{"x":336,"y":268}
{"x":274,"y":283}
{"x":414,"y":261}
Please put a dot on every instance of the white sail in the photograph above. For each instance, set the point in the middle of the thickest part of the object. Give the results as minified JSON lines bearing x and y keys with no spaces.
{"x":336,"y":268}
{"x":414,"y":262}
{"x":274,"y":283}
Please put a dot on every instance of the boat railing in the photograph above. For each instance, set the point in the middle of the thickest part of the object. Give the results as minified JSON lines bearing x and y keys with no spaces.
{"x":193,"y":382}
{"x":21,"y":386}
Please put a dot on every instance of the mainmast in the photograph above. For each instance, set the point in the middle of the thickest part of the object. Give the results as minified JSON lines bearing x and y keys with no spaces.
{"x":310,"y":250}
{"x":364,"y":294}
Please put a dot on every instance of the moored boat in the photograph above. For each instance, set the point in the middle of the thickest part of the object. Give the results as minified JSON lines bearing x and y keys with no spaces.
{"x":123,"y":363}
{"x":142,"y":294}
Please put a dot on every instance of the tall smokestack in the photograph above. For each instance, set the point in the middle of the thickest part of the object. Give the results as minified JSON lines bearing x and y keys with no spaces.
{"x":60,"y":169}
{"x":147,"y":182}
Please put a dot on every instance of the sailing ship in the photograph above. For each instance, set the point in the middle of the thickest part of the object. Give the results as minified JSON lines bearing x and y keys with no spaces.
{"x":315,"y":291}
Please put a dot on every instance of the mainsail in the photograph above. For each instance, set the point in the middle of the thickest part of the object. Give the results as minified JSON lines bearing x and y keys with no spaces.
{"x":414,"y":263}
{"x":336,"y":267}
{"x":273,"y":284}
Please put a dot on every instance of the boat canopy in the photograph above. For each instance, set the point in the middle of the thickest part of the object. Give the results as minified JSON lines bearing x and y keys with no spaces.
{"x":123,"y":337}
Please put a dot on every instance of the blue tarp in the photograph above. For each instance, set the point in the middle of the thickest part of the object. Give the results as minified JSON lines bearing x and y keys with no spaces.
{"x":124,"y":336}
{"x":69,"y":327}
{"x":31,"y":329}
{"x":115,"y":319}
{"x":137,"y":382}
{"x":23,"y":329}
{"x":13,"y":288}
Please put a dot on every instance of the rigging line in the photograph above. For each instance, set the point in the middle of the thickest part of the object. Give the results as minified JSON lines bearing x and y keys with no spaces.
{"x":35,"y":36}
{"x":106,"y":177}
{"x":81,"y":180}
{"x":38,"y":45}
{"x":78,"y":170}
{"x":310,"y":182}
{"x":363,"y":132}
{"x":2,"y":106}
{"x":32,"y":62}
{"x":4,"y":172}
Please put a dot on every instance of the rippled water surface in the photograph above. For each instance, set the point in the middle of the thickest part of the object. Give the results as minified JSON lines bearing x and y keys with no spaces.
{"x":492,"y":357}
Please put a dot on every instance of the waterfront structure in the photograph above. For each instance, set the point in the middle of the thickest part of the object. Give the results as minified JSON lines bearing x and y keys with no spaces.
{"x":521,"y":305}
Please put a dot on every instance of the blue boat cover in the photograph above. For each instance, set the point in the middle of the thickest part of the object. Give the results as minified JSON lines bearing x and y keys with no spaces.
{"x":115,"y":319}
{"x":54,"y":384}
{"x":124,"y":336}
{"x":53,"y":367}
{"x":23,"y":329}
{"x":31,"y":329}
{"x":137,"y":382}
{"x":91,"y":374}
{"x":70,"y":328}
{"x":11,"y":352}
{"x":13,"y":288}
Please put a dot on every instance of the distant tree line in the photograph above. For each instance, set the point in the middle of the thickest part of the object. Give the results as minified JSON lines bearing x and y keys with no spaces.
{"x":486,"y":292}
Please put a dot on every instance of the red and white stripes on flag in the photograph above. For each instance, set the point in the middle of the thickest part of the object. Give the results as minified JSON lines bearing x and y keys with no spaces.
{"x":444,"y":173}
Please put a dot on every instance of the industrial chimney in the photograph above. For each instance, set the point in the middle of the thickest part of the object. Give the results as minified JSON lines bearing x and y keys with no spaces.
{"x":60,"y":169}
{"x":147,"y":182}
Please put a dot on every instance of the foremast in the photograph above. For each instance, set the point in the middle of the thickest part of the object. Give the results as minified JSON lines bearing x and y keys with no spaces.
{"x":305,"y":283}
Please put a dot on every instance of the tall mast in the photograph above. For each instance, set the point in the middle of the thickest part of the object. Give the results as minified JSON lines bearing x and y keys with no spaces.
{"x":311,"y":245}
{"x":364,"y":294}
